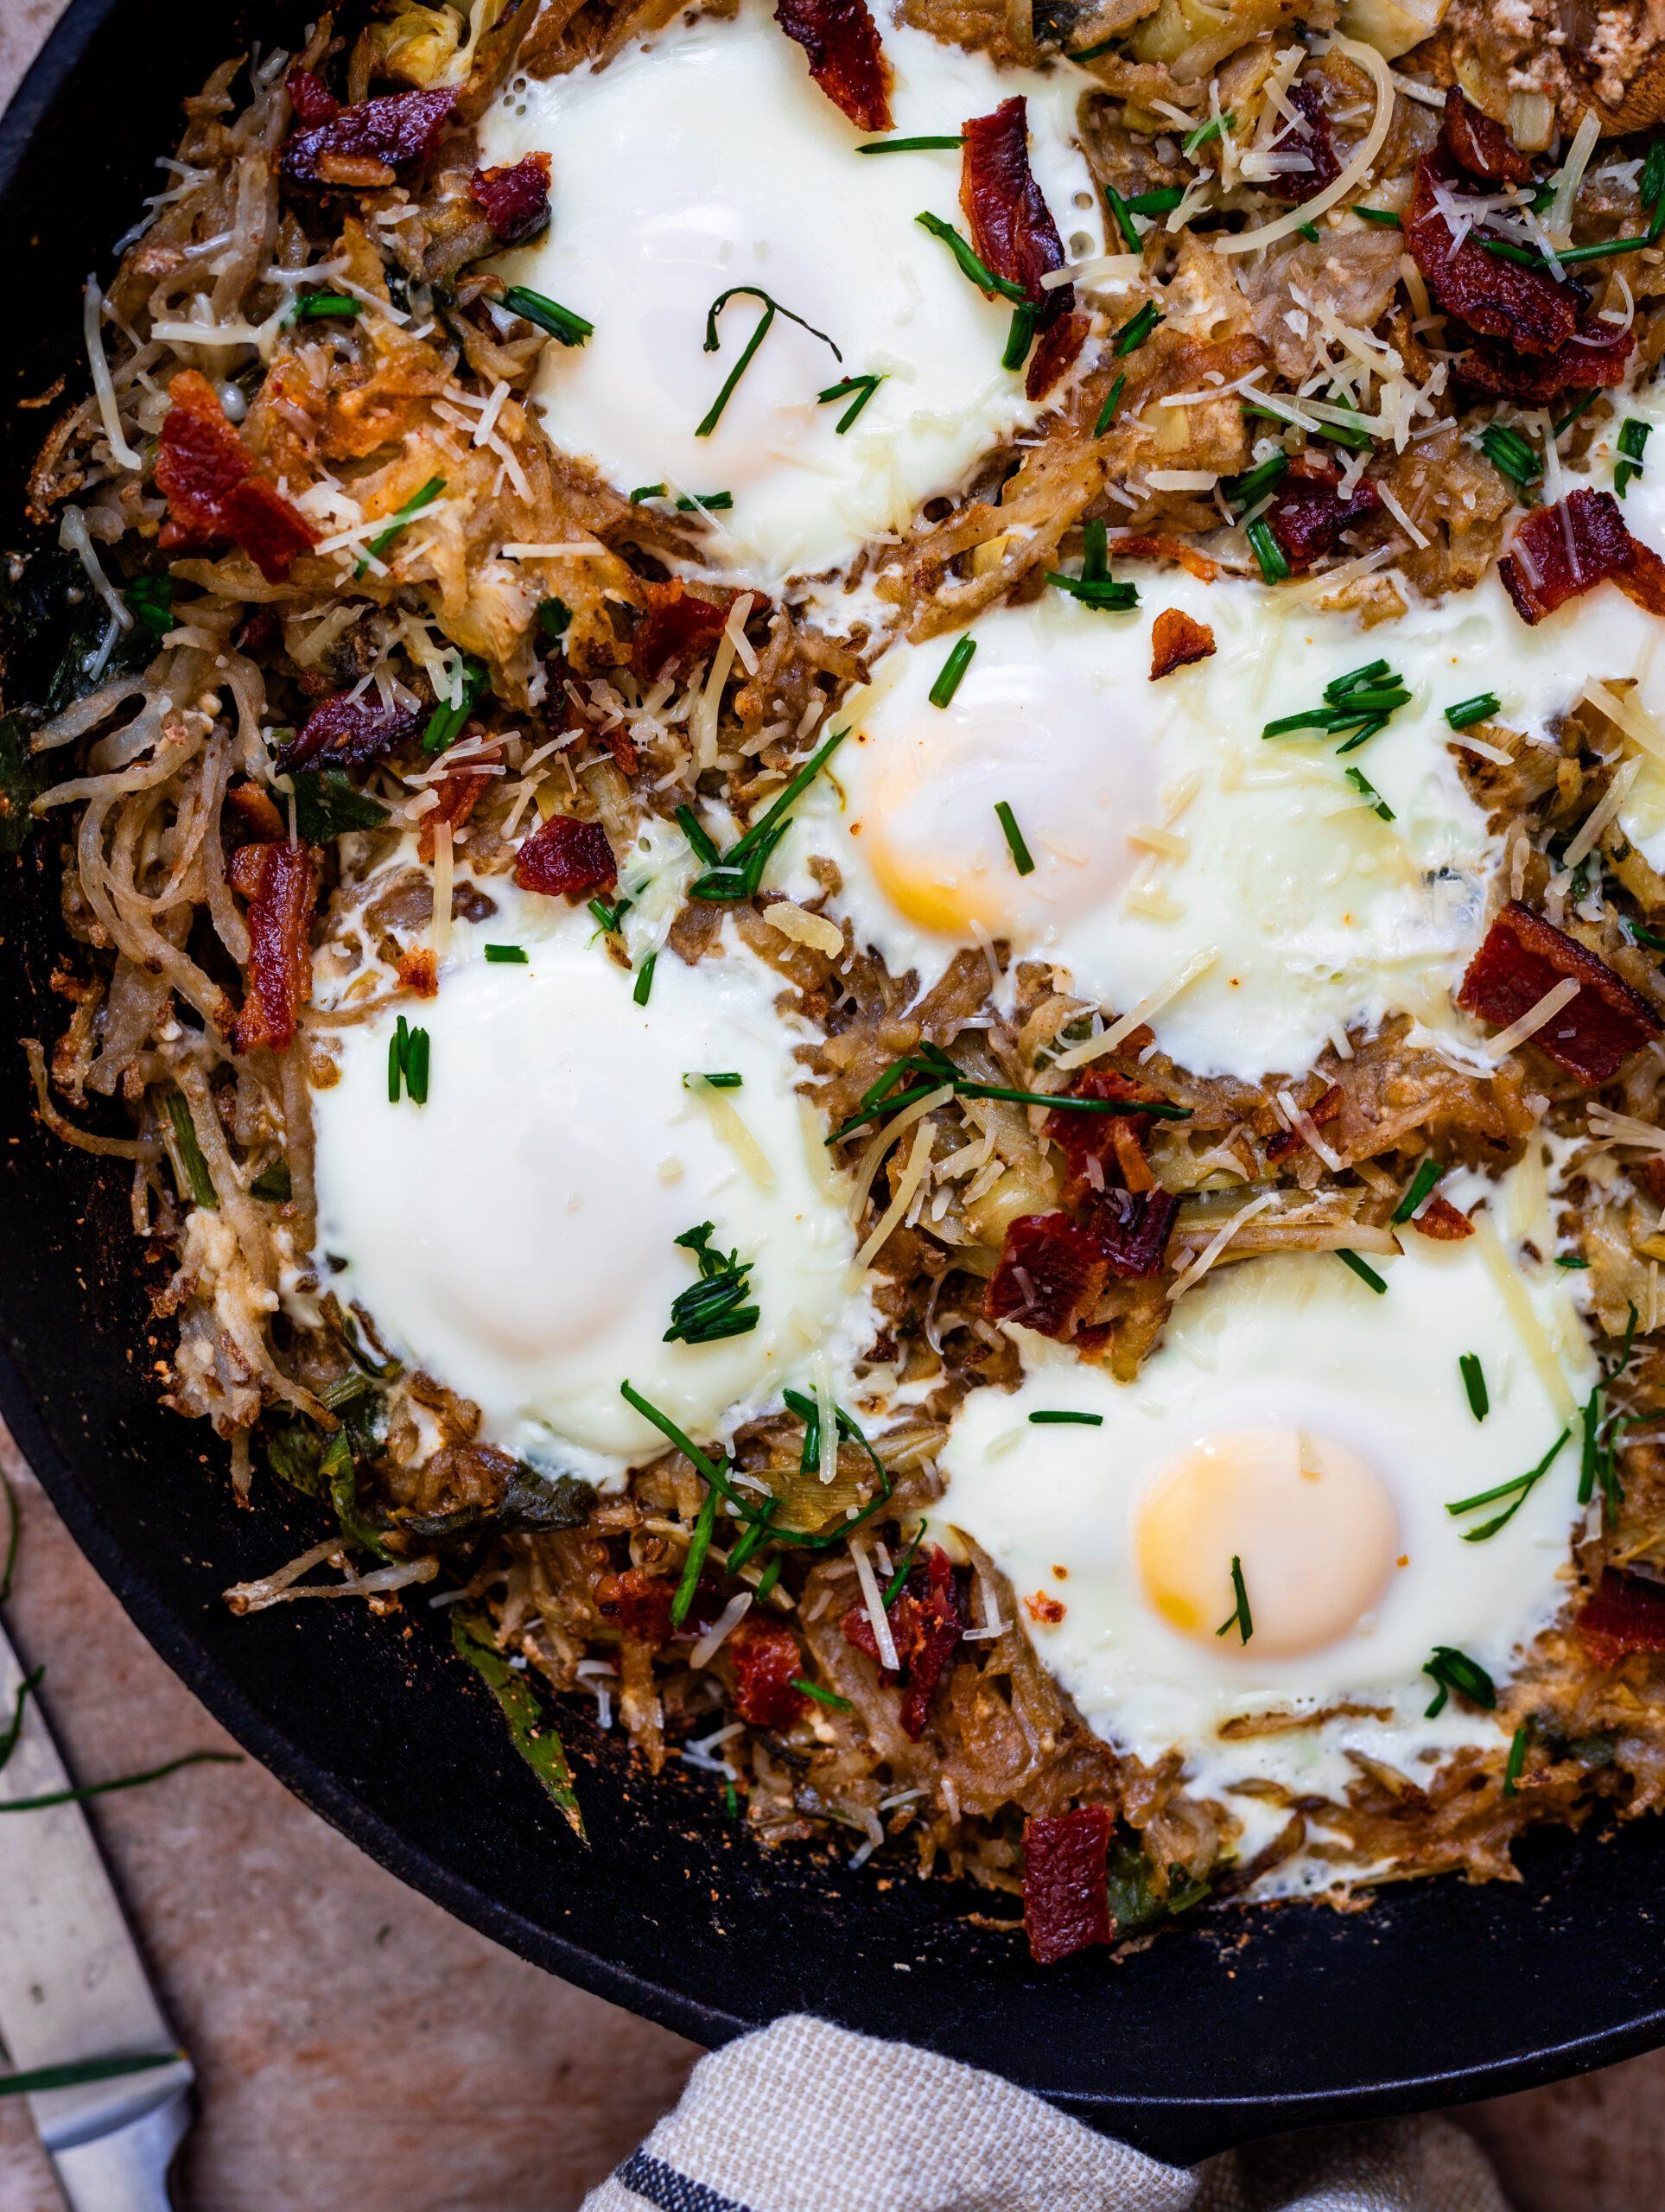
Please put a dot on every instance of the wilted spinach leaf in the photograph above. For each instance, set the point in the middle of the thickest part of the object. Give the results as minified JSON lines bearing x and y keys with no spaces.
{"x":529,"y":1724}
{"x":326,"y":803}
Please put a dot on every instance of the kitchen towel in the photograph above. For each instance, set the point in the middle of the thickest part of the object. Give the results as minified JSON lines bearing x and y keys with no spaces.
{"x":805,"y":2117}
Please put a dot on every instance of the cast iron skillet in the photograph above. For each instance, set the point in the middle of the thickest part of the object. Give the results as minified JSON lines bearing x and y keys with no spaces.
{"x":1262,"y":2023}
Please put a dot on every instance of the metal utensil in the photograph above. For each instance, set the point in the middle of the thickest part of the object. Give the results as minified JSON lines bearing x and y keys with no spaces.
{"x":73,"y":1987}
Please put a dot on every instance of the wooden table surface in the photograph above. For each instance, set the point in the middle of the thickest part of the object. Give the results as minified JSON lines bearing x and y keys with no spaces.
{"x":357,"y":2047}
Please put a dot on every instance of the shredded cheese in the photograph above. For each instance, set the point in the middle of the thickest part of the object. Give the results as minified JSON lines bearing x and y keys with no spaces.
{"x":584,"y":550}
{"x":1548,"y":1007}
{"x":868,"y":1167}
{"x":1628,"y":714}
{"x":1528,"y":1326}
{"x":1558,"y":216}
{"x":1595,"y":822}
{"x":1624,"y":1128}
{"x":1210,"y":1252}
{"x":712,"y":1642}
{"x":1306,"y":1128}
{"x":1152,"y":1002}
{"x":102,"y":384}
{"x":913,"y":1175}
{"x":734,"y":1133}
{"x":870,"y":1597}
{"x":804,"y":928}
{"x":1308,"y":211}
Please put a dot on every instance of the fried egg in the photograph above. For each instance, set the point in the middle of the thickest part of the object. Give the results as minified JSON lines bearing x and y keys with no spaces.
{"x":1168,"y":836}
{"x":705,"y":158}
{"x":515,"y":1236}
{"x":1315,"y":1431}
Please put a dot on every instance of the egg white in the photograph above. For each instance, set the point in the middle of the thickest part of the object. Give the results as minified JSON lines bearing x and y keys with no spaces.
{"x":706,"y":158}
{"x":1294,"y":1342}
{"x":515,"y":1235}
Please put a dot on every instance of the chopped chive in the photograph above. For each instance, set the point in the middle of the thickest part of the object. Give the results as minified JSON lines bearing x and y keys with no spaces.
{"x":731,"y":1801}
{"x":821,"y":1696}
{"x":1134,"y":333}
{"x":1248,"y":490}
{"x":1368,"y":791}
{"x":1215,"y":127}
{"x":772,"y":308}
{"x":446,"y":723}
{"x":568,"y":328}
{"x":794,"y":791}
{"x":1474,"y":1381}
{"x":1632,"y":437}
{"x":1161,"y":201}
{"x":1516,"y":1489}
{"x":910,"y":145}
{"x":1357,"y":680}
{"x":1274,"y":565}
{"x":754,"y":1539}
{"x":698,"y":1545}
{"x":408,"y":513}
{"x":553,"y":620}
{"x":714,"y":1308}
{"x":1107,"y":412}
{"x":931,"y":1075}
{"x":1021,"y":858}
{"x":644,"y":980}
{"x":1121,"y":216}
{"x":706,"y":502}
{"x":1362,"y":1269}
{"x":1092,"y":53}
{"x":953,"y":668}
{"x":894,"y":1587}
{"x":1651,"y":938}
{"x":399,"y":1054}
{"x":315,"y":306}
{"x":508,"y":956}
{"x":1510,"y":454}
{"x":1422,"y":1183}
{"x":728,"y":1079}
{"x":1572,"y":256}
{"x":1020,"y":337}
{"x":1047,"y":1419}
{"x":863,"y":387}
{"x":1309,"y":232}
{"x":697,"y":836}
{"x":1579,"y":406}
{"x":1571,"y":1262}
{"x":71,"y":2075}
{"x":274,"y":1184}
{"x":1239,"y":1617}
{"x":416,"y":1068}
{"x":770,"y":1575}
{"x":1384,"y":216}
{"x":150,"y":599}
{"x":190,"y":1151}
{"x":739,"y":870}
{"x":122,"y":1782}
{"x":1527,"y":256}
{"x":648,"y":492}
{"x":1480,"y":708}
{"x":978,"y":270}
{"x":612,"y":918}
{"x":1514,"y":1763}
{"x":1455,"y":1670}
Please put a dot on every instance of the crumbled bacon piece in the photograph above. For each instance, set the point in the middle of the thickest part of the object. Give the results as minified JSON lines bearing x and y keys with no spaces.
{"x":677,"y":627}
{"x":1048,"y":1610}
{"x":419,"y":971}
{"x":310,"y":96}
{"x":383,"y":133}
{"x":637,"y":1603}
{"x":1315,"y":140}
{"x":1592,"y":361}
{"x":1177,"y":641}
{"x":1132,"y":546}
{"x":1012,"y":230}
{"x":1131,"y":1229}
{"x":1581,"y":541}
{"x":1499,"y":298}
{"x":846,"y":58}
{"x":1441,"y":1220}
{"x":516,"y":200}
{"x":766,"y":1658}
{"x":1066,"y":1903}
{"x":926,"y":1626}
{"x":1087,"y":1141}
{"x":1325,"y":1109}
{"x":459,"y":794}
{"x":1310,"y":510}
{"x":280,"y":884}
{"x":1055,"y":353}
{"x":1482,"y":146}
{"x":257,"y":814}
{"x":205,"y":473}
{"x":566,"y":859}
{"x":1523,"y":959}
{"x":1050,"y":1275}
{"x":1626,"y":1614}
{"x":345,"y":732}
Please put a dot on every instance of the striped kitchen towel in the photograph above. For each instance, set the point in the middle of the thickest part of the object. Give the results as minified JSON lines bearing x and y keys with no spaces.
{"x":803,"y":2117}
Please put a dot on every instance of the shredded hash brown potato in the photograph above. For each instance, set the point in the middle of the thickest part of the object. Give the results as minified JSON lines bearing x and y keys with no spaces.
{"x":187,"y":666}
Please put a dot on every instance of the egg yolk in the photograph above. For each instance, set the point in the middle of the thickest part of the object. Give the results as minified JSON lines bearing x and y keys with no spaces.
{"x":1066,"y":757}
{"x":1312,"y":1525}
